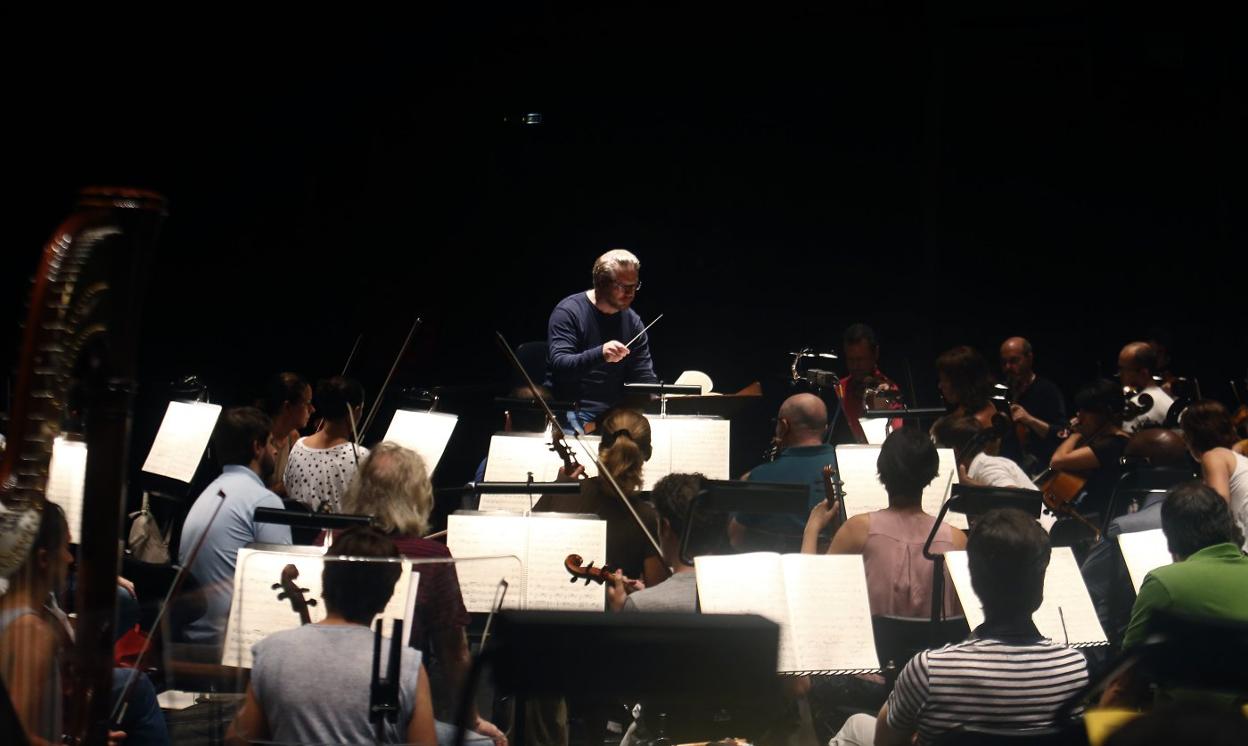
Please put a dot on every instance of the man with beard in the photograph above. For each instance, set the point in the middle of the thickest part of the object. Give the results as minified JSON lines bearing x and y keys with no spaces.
{"x":244,"y":447}
{"x":586,"y":360}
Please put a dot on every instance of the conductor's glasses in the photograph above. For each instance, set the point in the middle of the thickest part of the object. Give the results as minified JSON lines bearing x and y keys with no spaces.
{"x":635,"y":287}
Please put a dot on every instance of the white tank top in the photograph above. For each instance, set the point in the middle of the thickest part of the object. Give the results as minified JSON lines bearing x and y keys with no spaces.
{"x":1239,"y":494}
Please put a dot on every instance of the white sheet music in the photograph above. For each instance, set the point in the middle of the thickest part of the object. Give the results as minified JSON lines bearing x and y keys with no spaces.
{"x":551,"y":540}
{"x":831,"y":612}
{"x":513,"y":456}
{"x":256,"y":611}
{"x":501,"y":536}
{"x":181,"y":440}
{"x":819,"y":601}
{"x":66,"y":474}
{"x":865,"y":494}
{"x":1065,"y":614}
{"x":748,"y":584}
{"x":863,"y":491}
{"x":1144,"y":551}
{"x":426,"y":433}
{"x":688,"y":444}
{"x":536,"y":547}
{"x":875,"y":429}
{"x":939,"y":489}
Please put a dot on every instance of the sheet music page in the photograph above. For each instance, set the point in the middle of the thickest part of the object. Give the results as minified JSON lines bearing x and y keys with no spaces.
{"x":505,"y":539}
{"x":688,"y":444}
{"x":830,"y":612}
{"x":863,"y":491}
{"x":1064,"y":589}
{"x":551,"y":540}
{"x":66,"y":474}
{"x":748,"y":584}
{"x":875,"y":429}
{"x":426,"y":433}
{"x":519,"y":504}
{"x":256,"y":611}
{"x":513,"y":455}
{"x":1144,"y":551}
{"x":939,"y":489}
{"x":181,"y":440}
{"x":960,"y":573}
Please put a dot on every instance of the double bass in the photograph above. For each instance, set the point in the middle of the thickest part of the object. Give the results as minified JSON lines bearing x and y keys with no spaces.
{"x":80,"y":341}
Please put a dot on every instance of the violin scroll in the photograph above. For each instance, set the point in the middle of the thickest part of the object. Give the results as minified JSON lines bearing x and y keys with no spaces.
{"x":576,"y":567}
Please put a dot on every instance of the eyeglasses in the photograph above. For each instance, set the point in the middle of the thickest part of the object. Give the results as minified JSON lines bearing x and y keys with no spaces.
{"x":635,"y":287}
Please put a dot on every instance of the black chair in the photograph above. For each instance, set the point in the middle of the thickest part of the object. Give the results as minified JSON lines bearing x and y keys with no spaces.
{"x":1182,"y":652}
{"x":898,"y":639}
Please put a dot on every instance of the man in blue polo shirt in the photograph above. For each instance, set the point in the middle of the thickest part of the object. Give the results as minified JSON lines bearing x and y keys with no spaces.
{"x":588,"y":356}
{"x":801,"y":426}
{"x":243,"y":446}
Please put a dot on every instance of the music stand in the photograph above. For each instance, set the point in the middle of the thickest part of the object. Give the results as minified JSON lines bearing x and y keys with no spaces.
{"x":661,"y":390}
{"x":323,"y":521}
{"x":745,"y":497}
{"x":913,"y":413}
{"x":722,"y":659}
{"x":512,"y":488}
{"x":970,"y":500}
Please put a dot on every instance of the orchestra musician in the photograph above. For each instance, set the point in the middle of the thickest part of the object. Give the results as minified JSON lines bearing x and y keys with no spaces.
{"x":322,"y":464}
{"x":1209,"y":435}
{"x":801,"y":425}
{"x":1020,"y":679}
{"x":862,"y":358}
{"x":899,"y":577}
{"x":588,"y":356}
{"x":623,"y":451}
{"x":288,"y":402}
{"x":242,"y":443}
{"x":965,"y":383}
{"x":1208,"y":579}
{"x":311,"y":684}
{"x":978,"y":465}
{"x":34,"y":636}
{"x":672,"y":496}
{"x":1095,"y":446}
{"x":1137,"y":363}
{"x":392,"y":485}
{"x":1036,"y":404}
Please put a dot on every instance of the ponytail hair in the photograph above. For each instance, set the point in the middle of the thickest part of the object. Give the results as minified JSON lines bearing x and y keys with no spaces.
{"x":625,"y":446}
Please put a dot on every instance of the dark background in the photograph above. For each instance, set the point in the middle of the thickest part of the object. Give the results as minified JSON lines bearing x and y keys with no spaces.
{"x":950,"y":176}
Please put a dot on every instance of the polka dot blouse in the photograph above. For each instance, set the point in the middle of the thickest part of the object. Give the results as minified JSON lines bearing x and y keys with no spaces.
{"x":318,"y":477}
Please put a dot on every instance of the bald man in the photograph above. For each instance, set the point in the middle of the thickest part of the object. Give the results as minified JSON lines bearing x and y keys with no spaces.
{"x":801,"y":426}
{"x":1037,"y":406}
{"x":1136,"y":363}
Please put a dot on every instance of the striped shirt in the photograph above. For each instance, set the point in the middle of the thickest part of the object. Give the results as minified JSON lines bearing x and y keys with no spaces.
{"x":1005,"y":683}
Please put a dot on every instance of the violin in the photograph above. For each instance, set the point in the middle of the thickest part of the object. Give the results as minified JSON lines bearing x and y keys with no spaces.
{"x":560,"y":446}
{"x":833,"y":488}
{"x":576,"y":567}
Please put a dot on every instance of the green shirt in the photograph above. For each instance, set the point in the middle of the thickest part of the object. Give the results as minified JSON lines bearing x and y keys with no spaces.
{"x":1212,"y":582}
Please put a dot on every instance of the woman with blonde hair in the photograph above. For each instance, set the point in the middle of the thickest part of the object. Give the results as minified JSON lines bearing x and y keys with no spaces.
{"x":392,"y":485}
{"x":623,"y":452}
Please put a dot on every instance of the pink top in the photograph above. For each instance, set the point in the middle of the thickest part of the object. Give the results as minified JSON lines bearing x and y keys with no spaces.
{"x":899,"y":577}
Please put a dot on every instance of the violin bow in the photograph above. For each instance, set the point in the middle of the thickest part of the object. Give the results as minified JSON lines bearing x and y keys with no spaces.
{"x":368,"y":421}
{"x":351,"y":356}
{"x":552,"y":420}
